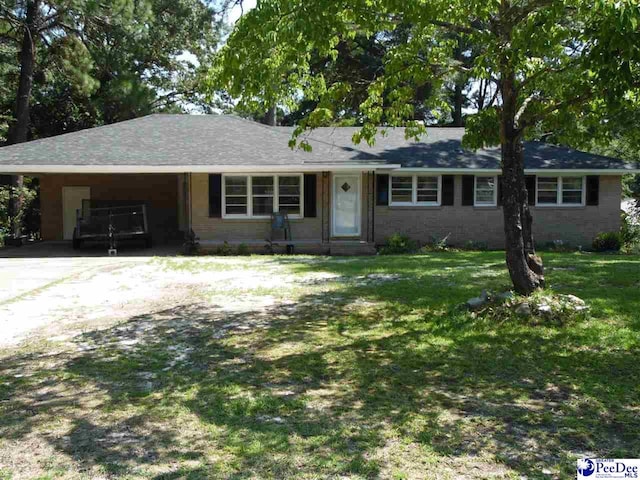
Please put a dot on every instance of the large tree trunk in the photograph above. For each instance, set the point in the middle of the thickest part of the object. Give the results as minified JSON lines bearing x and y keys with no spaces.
{"x":524,"y":267}
{"x":270,"y":117}
{"x":19,"y":130}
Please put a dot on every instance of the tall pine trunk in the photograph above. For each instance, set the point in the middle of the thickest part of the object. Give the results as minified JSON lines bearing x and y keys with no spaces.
{"x":18,"y":132}
{"x":458,"y":94}
{"x":524,"y":267}
{"x":458,"y":100}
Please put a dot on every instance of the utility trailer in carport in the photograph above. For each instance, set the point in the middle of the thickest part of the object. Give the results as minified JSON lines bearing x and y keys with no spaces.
{"x":111,"y":224}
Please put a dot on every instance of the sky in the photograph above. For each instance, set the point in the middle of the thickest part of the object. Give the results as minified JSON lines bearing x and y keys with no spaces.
{"x":235,"y":13}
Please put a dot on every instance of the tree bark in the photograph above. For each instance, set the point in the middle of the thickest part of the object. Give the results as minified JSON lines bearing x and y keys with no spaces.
{"x":18,"y":132}
{"x":270,"y":117}
{"x":524,"y":267}
{"x":458,"y":99}
{"x":20,"y":128}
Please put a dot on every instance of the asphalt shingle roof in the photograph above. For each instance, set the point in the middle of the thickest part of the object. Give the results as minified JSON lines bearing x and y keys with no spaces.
{"x":210,"y":140}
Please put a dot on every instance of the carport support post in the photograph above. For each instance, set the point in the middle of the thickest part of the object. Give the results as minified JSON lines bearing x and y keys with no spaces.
{"x":187,"y":202}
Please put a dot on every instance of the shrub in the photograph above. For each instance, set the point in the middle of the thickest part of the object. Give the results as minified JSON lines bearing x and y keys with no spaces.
{"x":607,"y":242}
{"x":437,"y":245}
{"x":29,"y":193}
{"x":224,"y":249}
{"x":398,"y":243}
{"x":243,"y":249}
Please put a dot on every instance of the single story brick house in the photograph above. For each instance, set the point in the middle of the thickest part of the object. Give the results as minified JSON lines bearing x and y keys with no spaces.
{"x":223,"y":176}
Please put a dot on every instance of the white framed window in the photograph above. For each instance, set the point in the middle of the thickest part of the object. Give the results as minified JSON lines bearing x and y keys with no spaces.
{"x":260,"y":195}
{"x":566,"y":191}
{"x":290,"y":194}
{"x":411,"y":190}
{"x":485,"y":191}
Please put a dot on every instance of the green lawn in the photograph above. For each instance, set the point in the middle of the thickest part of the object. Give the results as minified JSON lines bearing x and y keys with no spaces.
{"x":353,"y":374}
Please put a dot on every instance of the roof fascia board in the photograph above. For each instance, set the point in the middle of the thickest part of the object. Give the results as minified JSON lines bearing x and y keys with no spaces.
{"x":531,"y":171}
{"x":35,"y":169}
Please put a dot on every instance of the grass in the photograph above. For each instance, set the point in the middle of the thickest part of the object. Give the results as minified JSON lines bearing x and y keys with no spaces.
{"x":362,"y":368}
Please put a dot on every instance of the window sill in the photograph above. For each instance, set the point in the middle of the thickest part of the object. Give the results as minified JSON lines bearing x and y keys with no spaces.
{"x":560,"y":207}
{"x":254,"y":219}
{"x":413,"y":207}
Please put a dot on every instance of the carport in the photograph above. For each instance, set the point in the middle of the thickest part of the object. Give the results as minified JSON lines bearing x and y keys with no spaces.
{"x":61,"y":195}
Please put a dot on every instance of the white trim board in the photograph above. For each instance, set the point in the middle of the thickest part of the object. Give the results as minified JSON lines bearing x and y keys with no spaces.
{"x":35,"y":169}
{"x":25,"y":169}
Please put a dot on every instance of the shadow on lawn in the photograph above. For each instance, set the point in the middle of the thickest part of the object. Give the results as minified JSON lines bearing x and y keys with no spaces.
{"x":532,"y":398}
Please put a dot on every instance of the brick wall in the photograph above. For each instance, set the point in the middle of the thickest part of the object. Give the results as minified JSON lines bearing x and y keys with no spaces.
{"x":576,"y":225}
{"x":158,"y":191}
{"x":239,"y":230}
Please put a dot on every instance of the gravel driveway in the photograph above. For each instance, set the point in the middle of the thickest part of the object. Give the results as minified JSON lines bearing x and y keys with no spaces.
{"x":57,"y":297}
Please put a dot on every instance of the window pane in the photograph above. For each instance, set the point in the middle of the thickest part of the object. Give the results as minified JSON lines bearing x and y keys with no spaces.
{"x":236,"y":200}
{"x":484,"y":196}
{"x":572,"y":197}
{"x":485,"y":183}
{"x":262,"y":205}
{"x":427,"y":189}
{"x":290,"y":209}
{"x":402,"y":182}
{"x":428,"y":183}
{"x":236,"y":210}
{"x":547,"y":190}
{"x":262,"y":185}
{"x":289,"y":195}
{"x":572,"y":183}
{"x":485,"y":190}
{"x":401,"y":196}
{"x":547,"y":183}
{"x":289,"y":201}
{"x":401,"y":189}
{"x":235,"y":185}
{"x":289,"y":185}
{"x":428,"y":196}
{"x":547,"y":197}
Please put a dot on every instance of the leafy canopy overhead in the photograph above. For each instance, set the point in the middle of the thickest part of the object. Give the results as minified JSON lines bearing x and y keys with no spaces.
{"x":563,"y":54}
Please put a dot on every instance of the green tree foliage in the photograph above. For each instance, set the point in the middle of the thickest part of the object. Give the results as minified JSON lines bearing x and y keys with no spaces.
{"x":604,"y":129}
{"x":27,"y":192}
{"x":113,"y":60}
{"x":72,"y":64}
{"x":548,"y":57}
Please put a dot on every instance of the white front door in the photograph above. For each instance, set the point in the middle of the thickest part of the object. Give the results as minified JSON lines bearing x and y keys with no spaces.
{"x":346,"y":205}
{"x":71,"y":202}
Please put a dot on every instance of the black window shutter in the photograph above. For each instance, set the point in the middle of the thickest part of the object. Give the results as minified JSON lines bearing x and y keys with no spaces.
{"x":447,"y":190}
{"x":468,"y":186}
{"x":310,"y":195}
{"x":499,"y":190}
{"x":593,"y":190}
{"x":215,"y":195}
{"x":382,"y":189}
{"x":531,"y":188}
